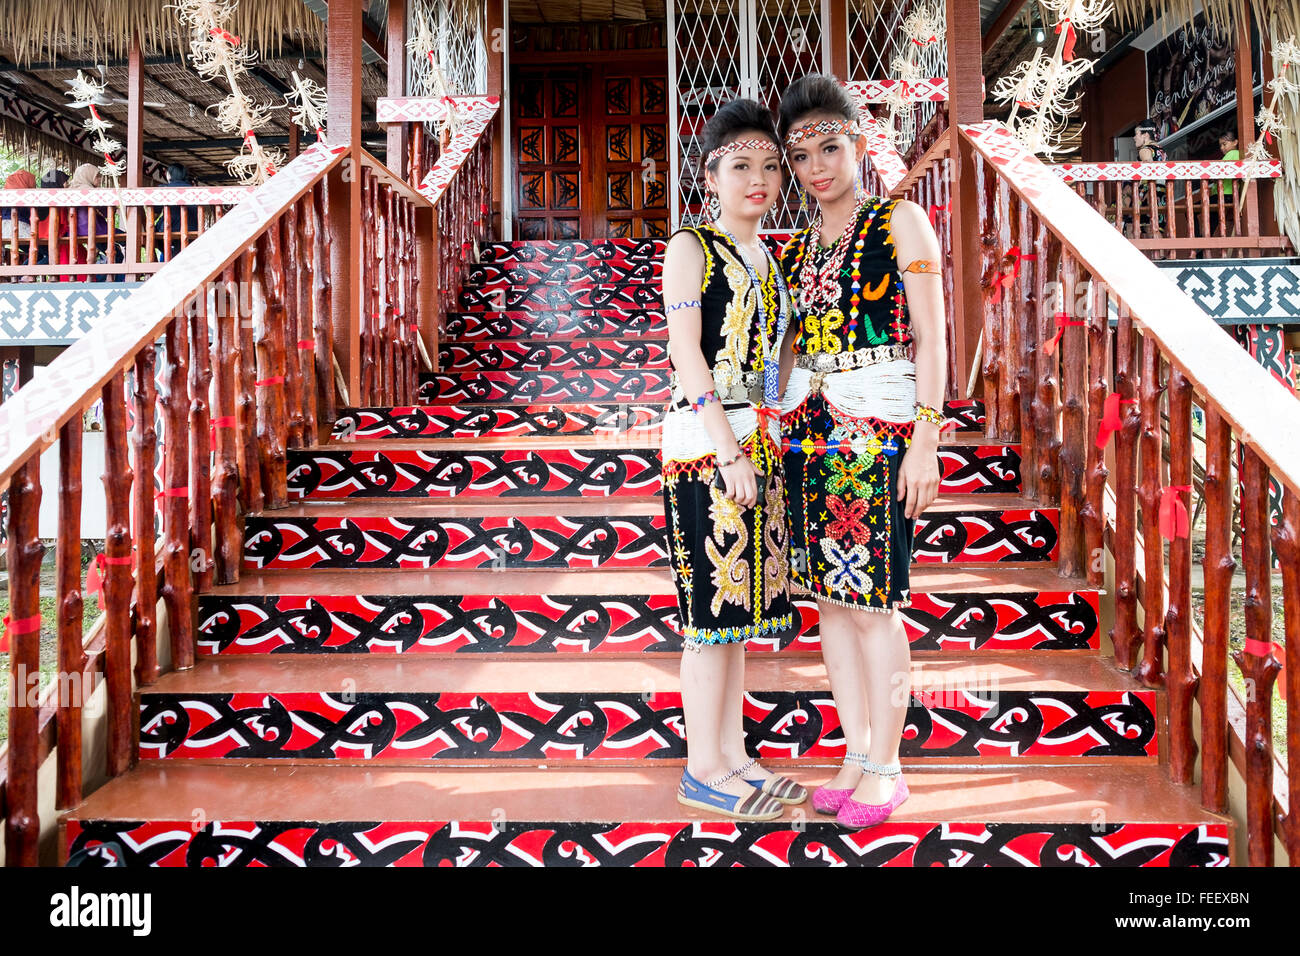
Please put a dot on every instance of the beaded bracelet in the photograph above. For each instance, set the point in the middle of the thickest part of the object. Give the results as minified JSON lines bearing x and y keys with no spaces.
{"x":731,"y":461}
{"x":699,"y":403}
{"x":925,"y":413}
{"x":692,"y":303}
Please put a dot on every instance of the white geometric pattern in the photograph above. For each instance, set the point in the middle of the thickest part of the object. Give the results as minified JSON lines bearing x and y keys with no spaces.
{"x":933,"y":90}
{"x":475,"y":113}
{"x":143,"y":196}
{"x":876,"y":38}
{"x":1184,"y":169}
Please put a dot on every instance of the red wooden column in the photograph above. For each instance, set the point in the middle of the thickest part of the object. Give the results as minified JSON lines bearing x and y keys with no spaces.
{"x":495,"y":35}
{"x":835,"y":38}
{"x":398,"y":133}
{"x":965,"y":105}
{"x":343,"y":92}
{"x":1246,"y":116}
{"x":134,"y":143}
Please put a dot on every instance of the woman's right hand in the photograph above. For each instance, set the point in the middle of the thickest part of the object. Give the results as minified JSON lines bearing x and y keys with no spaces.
{"x":741,"y":479}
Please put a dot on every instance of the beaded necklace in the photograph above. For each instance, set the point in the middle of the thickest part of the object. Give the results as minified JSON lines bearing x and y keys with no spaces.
{"x":818,"y":280}
{"x":771,"y":370}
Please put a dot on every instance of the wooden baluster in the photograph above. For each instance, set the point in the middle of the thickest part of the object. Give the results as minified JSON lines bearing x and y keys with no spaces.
{"x":269,"y":344}
{"x":284,"y":340}
{"x":119,"y":480}
{"x":1171,"y":221}
{"x":956,"y":374}
{"x":225,"y":477}
{"x":295,"y":357}
{"x":383,"y":310}
{"x":1124,"y":634}
{"x":145,"y":531}
{"x":1025,"y":291}
{"x":149,"y":236}
{"x":1178,"y":620}
{"x":1047,"y":394}
{"x":410,"y":308}
{"x":1153,"y":210}
{"x":22,"y":820}
{"x":1150,"y":671}
{"x":334,"y":386}
{"x":250,"y":470}
{"x":178,"y":588}
{"x":1223,"y":213}
{"x":1286,"y":541}
{"x":394,"y":338}
{"x":1096,"y":472}
{"x":1205,"y":208}
{"x":1189,"y":208}
{"x":991,"y":369}
{"x":368,"y":372}
{"x":1259,"y":670}
{"x":1218,"y":566}
{"x":1008,"y":236}
{"x":304,"y":286}
{"x":200,"y":444}
{"x":314,"y":239}
{"x":1072,"y":560}
{"x":72,"y":654}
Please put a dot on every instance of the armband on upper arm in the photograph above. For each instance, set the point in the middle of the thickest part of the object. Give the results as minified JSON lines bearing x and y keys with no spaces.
{"x":927,"y":266}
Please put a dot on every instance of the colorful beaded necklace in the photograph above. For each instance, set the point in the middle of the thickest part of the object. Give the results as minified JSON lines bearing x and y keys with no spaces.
{"x":771,"y":370}
{"x":818,"y":282}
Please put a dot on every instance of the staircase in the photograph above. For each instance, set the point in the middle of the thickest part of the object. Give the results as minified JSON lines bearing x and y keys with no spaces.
{"x":456,"y":648}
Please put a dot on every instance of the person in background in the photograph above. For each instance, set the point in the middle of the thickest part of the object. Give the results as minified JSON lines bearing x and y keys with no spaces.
{"x":1149,"y":151}
{"x":50,"y":221}
{"x":86,"y":219}
{"x":1228,"y":147}
{"x":178,"y":176}
{"x":20,"y":179}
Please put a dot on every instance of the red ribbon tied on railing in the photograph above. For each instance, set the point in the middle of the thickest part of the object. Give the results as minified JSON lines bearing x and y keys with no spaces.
{"x":1062,"y":320}
{"x":935,"y":210}
{"x":273,"y":380}
{"x":1110,"y":420}
{"x":223,"y":421}
{"x":306,"y":345}
{"x":1173,"y":513}
{"x":1067,"y":52}
{"x":1260,"y":648}
{"x":172,"y":493}
{"x":24,"y":625}
{"x":95,"y":575}
{"x":1005,"y":280}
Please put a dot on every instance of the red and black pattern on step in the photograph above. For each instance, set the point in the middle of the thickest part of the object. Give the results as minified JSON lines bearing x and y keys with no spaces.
{"x":629,"y":295}
{"x":533,"y":541}
{"x":596,"y":385}
{"x":605,"y":624}
{"x":1012,"y":534}
{"x":582,"y":323}
{"x":488,"y":277}
{"x":979,"y":469}
{"x":554,"y":356}
{"x":331,"y":474}
{"x":499,"y":421}
{"x":1006,"y":724}
{"x":489,"y":842}
{"x":552,"y":251}
{"x":968,"y":413}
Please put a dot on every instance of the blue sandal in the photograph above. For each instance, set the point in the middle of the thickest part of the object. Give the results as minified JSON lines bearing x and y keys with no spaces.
{"x":752,"y":807}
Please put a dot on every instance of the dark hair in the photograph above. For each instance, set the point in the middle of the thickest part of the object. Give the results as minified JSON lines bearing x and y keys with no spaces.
{"x":1146,"y":126}
{"x":54,"y":179}
{"x":815,"y":93}
{"x":732,"y":121}
{"x":1228,"y":134}
{"x":176,"y":171}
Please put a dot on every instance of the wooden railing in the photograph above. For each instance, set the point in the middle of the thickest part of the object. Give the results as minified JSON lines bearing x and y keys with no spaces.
{"x":464,"y":219}
{"x":245,"y":371}
{"x":1177,"y":210}
{"x":104,"y":233}
{"x":1087,"y":404}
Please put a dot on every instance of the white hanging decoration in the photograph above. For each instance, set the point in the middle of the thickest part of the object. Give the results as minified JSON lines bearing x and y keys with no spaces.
{"x":424,"y":44}
{"x":1040,"y":86}
{"x":921,"y":27}
{"x":215,"y":51}
{"x":1270,"y":122}
{"x":87,"y":93}
{"x":308,"y":105}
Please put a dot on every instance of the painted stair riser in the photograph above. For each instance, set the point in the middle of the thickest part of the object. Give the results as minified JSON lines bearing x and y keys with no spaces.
{"x":528,"y":387}
{"x":604,"y":624}
{"x":543,"y":356}
{"x":551,"y":298}
{"x":511,"y":842}
{"x":328,"y":475}
{"x":553,"y":251}
{"x":579,"y":324}
{"x":977,"y":721}
{"x":489,"y":277}
{"x":588,"y":541}
{"x":633,"y":424}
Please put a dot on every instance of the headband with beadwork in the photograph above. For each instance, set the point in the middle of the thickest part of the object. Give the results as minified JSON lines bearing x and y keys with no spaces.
{"x":736,"y":144}
{"x":823,"y":127}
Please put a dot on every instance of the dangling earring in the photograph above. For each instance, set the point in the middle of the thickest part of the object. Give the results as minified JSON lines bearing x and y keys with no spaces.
{"x":715,"y":206}
{"x":858,"y":189}
{"x":803,"y":204}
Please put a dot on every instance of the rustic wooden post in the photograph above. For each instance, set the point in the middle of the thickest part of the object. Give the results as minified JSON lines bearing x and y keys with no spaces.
{"x":72,"y":655}
{"x":1074,"y":372}
{"x":1096,"y":472}
{"x":343,"y":93}
{"x":200,"y":444}
{"x":1178,"y":621}
{"x":268,"y":329}
{"x":22,"y":821}
{"x":1218,"y":566}
{"x":1151,"y":669}
{"x":1124,"y":633}
{"x":1245,"y":120}
{"x":145,"y":531}
{"x":178,"y":589}
{"x":119,"y":479}
{"x":1286,"y":540}
{"x":226,"y":434}
{"x":398,"y":134}
{"x":134,"y":155}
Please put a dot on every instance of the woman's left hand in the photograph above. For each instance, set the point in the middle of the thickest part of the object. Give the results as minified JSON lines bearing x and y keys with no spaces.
{"x":918,"y":477}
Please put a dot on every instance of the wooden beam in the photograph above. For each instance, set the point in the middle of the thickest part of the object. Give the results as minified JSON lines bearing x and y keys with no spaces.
{"x":1246,"y":113}
{"x":835,"y":39}
{"x":134,"y":144}
{"x":398,"y":133}
{"x":1000,"y":25}
{"x":496,"y":79}
{"x":343,"y":93}
{"x":965,"y":105}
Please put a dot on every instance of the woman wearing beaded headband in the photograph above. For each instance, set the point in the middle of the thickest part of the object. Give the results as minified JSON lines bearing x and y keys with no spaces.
{"x":728,"y":310}
{"x":861,"y":428}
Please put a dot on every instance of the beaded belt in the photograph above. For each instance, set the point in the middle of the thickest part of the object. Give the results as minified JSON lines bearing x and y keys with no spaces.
{"x":748,"y":389}
{"x":858,"y":358}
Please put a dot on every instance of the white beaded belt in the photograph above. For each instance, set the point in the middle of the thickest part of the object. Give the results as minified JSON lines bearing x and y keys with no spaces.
{"x":748,"y":389}
{"x":858,"y":358}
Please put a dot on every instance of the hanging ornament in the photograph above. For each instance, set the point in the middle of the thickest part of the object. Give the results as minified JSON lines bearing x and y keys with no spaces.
{"x":88,"y":94}
{"x":308,"y":105}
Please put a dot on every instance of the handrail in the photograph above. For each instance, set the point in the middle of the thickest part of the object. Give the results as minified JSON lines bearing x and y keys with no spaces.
{"x":30,"y":419}
{"x":1194,"y":343}
{"x":1167,"y":171}
{"x":1102,"y":466}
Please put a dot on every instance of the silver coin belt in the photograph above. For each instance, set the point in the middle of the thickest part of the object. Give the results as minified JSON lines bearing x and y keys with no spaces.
{"x":858,"y":358}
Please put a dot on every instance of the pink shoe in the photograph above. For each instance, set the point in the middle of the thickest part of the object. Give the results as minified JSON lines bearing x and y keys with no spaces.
{"x":856,"y":815}
{"x":828,"y":799}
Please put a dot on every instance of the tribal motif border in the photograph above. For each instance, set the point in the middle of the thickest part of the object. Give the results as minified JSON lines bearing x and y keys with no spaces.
{"x":966,"y":414}
{"x":1243,"y":293}
{"x":583,"y":251}
{"x":445,"y":473}
{"x":488,"y":276}
{"x":930,"y":90}
{"x":632,"y":295}
{"x":979,"y":469}
{"x":576,"y":324}
{"x":1011,"y":534}
{"x":589,"y":623}
{"x":554,"y":356}
{"x":599,"y":385}
{"x":497,"y":542}
{"x":1180,"y":169}
{"x":622,"y":726}
{"x":56,"y":313}
{"x":680,"y":843}
{"x":502,"y":421}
